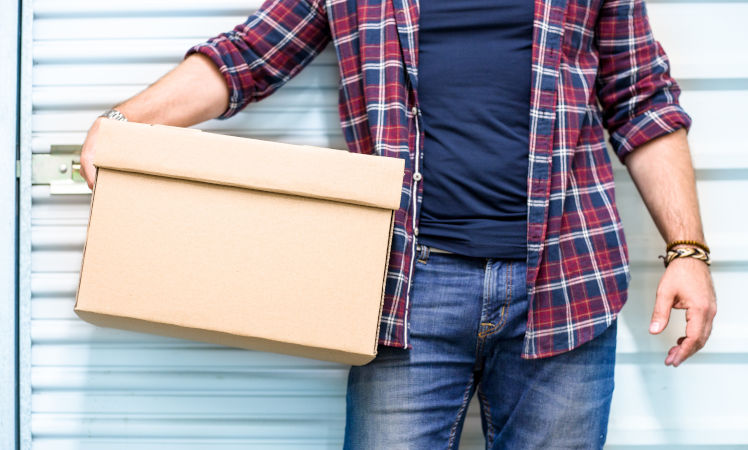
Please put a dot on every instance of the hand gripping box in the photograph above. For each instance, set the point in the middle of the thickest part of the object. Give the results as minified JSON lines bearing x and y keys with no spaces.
{"x":239,"y":242}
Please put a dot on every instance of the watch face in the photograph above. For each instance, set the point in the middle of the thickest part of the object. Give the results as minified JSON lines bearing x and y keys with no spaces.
{"x":114,"y":114}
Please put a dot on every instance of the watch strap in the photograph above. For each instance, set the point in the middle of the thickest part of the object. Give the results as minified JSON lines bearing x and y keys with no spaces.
{"x":114,"y":114}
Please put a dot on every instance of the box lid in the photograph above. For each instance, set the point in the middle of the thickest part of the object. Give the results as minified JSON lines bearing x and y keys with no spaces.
{"x":307,"y":171}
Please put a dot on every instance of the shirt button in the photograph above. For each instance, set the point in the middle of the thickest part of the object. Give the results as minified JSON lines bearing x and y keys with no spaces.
{"x":417,"y":176}
{"x":414,"y":110}
{"x":415,"y":231}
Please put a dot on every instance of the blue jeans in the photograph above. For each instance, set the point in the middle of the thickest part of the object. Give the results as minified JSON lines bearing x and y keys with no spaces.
{"x":467,"y":322}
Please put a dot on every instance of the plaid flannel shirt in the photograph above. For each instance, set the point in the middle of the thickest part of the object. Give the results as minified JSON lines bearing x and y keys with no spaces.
{"x":595,"y":64}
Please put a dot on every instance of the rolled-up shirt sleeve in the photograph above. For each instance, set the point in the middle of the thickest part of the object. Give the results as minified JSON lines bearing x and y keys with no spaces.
{"x":268,"y":49}
{"x":638,"y":96}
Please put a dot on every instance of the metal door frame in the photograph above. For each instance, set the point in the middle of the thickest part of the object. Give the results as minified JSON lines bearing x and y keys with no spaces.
{"x":9,"y":78}
{"x":24,"y":38}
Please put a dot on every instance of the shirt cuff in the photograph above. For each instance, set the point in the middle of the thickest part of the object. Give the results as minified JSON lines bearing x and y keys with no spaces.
{"x":214,"y":54}
{"x":647,"y":126}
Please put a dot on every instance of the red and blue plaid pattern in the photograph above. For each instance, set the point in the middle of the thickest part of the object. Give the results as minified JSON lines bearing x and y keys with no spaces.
{"x":584,"y":51}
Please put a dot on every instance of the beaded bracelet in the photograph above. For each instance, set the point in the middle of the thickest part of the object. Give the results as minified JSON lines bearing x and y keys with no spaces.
{"x":692,"y":252}
{"x":698,"y":244}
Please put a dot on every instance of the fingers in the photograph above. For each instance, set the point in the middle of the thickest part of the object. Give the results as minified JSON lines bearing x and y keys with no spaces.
{"x":661,"y":314}
{"x":695,"y":339}
{"x":686,"y":285}
{"x":88,"y":170}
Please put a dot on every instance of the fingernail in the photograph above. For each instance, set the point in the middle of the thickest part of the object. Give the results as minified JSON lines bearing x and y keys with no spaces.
{"x":654,"y":327}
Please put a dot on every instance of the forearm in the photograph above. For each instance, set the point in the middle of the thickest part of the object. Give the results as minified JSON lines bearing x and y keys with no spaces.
{"x":193,"y":92}
{"x":663,"y":173}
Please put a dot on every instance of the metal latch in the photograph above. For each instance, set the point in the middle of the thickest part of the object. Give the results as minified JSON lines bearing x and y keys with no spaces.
{"x":60,"y":169}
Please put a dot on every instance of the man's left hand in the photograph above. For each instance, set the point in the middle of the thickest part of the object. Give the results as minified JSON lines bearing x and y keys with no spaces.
{"x":686,"y":284}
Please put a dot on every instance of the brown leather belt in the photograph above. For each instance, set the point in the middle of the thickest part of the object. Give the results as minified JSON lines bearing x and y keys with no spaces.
{"x":436,"y":250}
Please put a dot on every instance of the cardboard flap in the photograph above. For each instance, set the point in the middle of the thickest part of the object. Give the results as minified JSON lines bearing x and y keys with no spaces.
{"x":250,"y":163}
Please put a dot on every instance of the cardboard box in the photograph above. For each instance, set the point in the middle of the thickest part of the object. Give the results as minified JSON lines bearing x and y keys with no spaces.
{"x":239,"y":242}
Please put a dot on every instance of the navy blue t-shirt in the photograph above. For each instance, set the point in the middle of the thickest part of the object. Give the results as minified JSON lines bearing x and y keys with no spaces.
{"x":474,"y":92}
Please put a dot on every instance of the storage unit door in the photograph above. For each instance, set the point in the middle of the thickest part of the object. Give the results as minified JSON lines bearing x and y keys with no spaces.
{"x":702,"y":403}
{"x":96,"y":388}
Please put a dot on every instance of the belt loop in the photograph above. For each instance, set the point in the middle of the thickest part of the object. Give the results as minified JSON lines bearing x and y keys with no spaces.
{"x":423,"y":253}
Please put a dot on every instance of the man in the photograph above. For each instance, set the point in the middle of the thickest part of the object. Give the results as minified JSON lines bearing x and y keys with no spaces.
{"x":509,"y":264}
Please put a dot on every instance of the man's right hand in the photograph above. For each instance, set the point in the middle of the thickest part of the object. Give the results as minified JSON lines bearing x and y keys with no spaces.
{"x":88,"y":170}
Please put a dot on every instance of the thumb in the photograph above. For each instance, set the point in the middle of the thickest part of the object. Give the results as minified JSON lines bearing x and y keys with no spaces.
{"x":661,"y":315}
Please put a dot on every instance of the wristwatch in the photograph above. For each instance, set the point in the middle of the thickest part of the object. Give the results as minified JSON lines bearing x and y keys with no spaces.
{"x":114,"y":114}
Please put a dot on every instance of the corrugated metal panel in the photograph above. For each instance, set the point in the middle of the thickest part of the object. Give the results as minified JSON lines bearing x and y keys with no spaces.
{"x":701,"y":404}
{"x":95,"y":388}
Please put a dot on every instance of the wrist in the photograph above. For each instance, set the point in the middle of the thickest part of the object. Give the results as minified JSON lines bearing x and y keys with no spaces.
{"x":684,"y":251}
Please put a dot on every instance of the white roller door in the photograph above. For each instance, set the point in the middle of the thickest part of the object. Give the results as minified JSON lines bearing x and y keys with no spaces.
{"x":87,"y":387}
{"x":701,"y":404}
{"x":84,"y":387}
